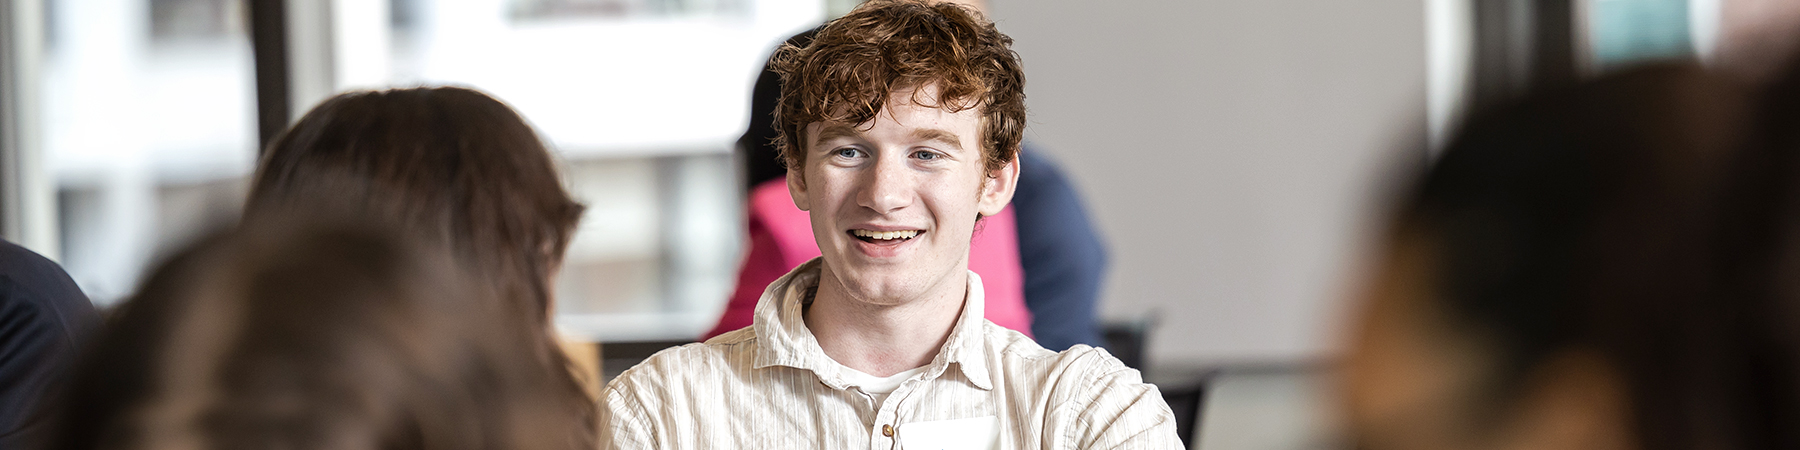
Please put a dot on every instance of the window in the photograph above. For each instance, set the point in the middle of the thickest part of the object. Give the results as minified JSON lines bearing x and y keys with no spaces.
{"x":1622,"y":32}
{"x":644,"y":100}
{"x":148,"y":124}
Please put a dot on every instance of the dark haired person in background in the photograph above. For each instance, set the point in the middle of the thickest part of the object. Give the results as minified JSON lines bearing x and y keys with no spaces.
{"x":1059,"y":249}
{"x":294,"y":333}
{"x":44,"y":318}
{"x":1564,"y":278}
{"x":900,"y":124}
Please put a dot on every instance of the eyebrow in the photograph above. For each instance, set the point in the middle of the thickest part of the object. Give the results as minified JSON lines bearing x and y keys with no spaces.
{"x":838,"y":130}
{"x":835,"y":131}
{"x":938,"y":135}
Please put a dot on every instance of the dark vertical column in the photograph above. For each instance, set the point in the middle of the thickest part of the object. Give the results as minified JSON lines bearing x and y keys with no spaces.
{"x":1498,"y":47}
{"x":1521,"y":45}
{"x":268,"y":39}
{"x":1557,"y":43}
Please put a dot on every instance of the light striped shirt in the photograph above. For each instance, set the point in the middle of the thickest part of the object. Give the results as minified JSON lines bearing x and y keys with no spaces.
{"x":771,"y":386}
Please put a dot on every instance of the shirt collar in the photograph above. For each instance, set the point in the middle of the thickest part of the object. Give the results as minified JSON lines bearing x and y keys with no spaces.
{"x":784,"y":340}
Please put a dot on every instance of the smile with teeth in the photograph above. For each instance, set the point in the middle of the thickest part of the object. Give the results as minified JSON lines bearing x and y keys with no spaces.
{"x":870,"y":236}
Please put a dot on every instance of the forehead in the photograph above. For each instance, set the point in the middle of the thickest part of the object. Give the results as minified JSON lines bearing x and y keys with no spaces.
{"x":909,"y":114}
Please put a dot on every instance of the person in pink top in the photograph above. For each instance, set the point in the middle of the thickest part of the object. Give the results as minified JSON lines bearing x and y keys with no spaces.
{"x":781,"y":238}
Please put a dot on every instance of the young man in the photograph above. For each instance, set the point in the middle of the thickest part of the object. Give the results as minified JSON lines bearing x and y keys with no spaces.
{"x":901,"y":125}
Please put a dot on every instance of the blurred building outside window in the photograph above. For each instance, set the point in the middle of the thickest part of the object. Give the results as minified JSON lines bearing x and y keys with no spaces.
{"x":644,"y":100}
{"x":149,"y":115}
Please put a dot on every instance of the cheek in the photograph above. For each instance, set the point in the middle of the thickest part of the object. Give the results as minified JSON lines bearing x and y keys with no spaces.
{"x":954,"y":198}
{"x":828,"y":188}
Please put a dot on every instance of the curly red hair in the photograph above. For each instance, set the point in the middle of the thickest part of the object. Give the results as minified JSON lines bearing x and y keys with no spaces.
{"x":855,"y":63}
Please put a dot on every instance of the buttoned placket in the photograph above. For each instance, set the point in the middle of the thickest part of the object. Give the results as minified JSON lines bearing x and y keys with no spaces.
{"x":886,"y":433}
{"x":876,"y":440}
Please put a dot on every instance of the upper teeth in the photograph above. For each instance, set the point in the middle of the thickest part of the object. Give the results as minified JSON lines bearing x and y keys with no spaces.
{"x":886,"y":235}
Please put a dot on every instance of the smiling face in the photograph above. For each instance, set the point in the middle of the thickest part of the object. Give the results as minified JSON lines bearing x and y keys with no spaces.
{"x":894,"y":201}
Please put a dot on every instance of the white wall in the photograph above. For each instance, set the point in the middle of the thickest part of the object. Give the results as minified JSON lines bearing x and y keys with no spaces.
{"x":1232,"y":151}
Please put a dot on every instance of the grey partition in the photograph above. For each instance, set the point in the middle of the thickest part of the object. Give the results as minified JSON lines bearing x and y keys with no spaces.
{"x":1288,"y":407}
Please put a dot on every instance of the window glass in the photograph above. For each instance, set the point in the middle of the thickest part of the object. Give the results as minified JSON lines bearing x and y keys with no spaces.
{"x":643,"y":99}
{"x":1628,"y":31}
{"x":150,"y":137}
{"x":148,"y":115}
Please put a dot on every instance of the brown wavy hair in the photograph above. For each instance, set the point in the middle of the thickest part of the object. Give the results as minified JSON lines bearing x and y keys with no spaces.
{"x":303,"y":334}
{"x":855,"y":63}
{"x":452,"y":166}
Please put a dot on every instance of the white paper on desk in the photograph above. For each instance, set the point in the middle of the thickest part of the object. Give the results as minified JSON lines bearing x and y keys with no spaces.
{"x":975,"y":433}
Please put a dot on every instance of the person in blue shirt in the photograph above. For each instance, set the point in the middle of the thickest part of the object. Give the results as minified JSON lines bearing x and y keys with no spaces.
{"x":44,"y":318}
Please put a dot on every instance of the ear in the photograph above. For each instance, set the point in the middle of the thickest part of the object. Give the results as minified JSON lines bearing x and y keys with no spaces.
{"x":997,"y":188}
{"x":796,"y":182}
{"x":1576,"y":400}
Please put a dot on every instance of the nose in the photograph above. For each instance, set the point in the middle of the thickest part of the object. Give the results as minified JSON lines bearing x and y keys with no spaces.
{"x":887,"y":187}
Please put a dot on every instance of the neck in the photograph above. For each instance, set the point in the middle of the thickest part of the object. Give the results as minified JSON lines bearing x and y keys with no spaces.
{"x":885,"y":336}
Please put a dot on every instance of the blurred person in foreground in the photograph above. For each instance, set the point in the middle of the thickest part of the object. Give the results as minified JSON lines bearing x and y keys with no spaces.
{"x":1041,"y":259}
{"x":44,"y":319}
{"x":900,"y":123}
{"x":1756,"y":38}
{"x":451,"y":165}
{"x":1562,"y":279}
{"x":296,"y":334}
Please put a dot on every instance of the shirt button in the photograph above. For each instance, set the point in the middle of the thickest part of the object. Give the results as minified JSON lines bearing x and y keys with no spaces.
{"x":887,"y":430}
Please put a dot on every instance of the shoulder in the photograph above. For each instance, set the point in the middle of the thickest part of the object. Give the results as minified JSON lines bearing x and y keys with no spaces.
{"x":35,"y":290}
{"x":647,"y":394}
{"x":30,"y":269}
{"x":1015,"y":345}
{"x":1098,"y":366}
{"x":687,"y":363}
{"x":1080,"y":367}
{"x":1011,"y":344}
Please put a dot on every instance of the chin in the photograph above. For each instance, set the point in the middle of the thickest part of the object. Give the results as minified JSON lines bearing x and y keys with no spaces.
{"x":875,"y":288}
{"x":879,"y":289}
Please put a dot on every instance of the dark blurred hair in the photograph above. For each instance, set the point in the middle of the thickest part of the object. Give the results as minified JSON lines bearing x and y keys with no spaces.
{"x":1590,"y":217}
{"x":332,"y":336}
{"x":852,"y":66}
{"x":1763,"y":238}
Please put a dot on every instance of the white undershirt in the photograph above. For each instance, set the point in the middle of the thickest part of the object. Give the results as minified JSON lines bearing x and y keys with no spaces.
{"x":879,"y":387}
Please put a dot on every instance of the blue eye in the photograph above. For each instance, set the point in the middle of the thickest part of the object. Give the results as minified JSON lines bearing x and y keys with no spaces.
{"x":846,"y":152}
{"x":926,"y":155}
